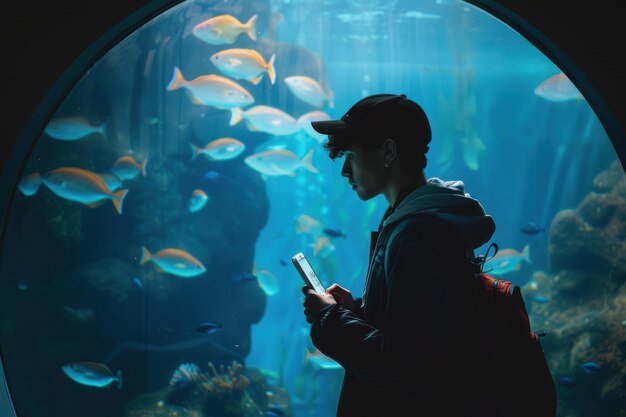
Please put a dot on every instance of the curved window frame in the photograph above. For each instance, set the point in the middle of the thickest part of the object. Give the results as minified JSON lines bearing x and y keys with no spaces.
{"x":27,"y":139}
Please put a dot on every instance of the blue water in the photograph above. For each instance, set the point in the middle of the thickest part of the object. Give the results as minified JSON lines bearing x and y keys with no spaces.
{"x":74,"y":288}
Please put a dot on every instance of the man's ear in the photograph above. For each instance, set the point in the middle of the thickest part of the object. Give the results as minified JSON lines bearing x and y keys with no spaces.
{"x":390,"y":151}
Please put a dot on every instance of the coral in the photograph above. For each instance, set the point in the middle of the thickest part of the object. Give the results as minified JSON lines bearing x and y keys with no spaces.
{"x":232,"y":391}
{"x":227,"y":389}
{"x":108,"y":276}
{"x":586,"y":285}
{"x":186,"y":374}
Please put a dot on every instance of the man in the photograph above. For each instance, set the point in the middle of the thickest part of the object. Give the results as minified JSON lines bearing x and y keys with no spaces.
{"x":405,"y":345}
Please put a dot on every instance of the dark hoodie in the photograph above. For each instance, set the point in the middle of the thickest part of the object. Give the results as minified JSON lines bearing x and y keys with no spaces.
{"x":406,"y":349}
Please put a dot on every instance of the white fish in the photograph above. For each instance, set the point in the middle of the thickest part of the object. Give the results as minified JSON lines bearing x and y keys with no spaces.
{"x":198,"y":200}
{"x":268,"y":282}
{"x":174,"y":261}
{"x":212,"y":90}
{"x":82,"y":186}
{"x":92,"y":374}
{"x":30,"y":184}
{"x":305,"y":123}
{"x":73,"y":128}
{"x":246,"y":64}
{"x":266,"y":119}
{"x":558,"y":88}
{"x":127,"y":168}
{"x":276,"y":162}
{"x":221,"y":149}
{"x":224,"y":29}
{"x":309,"y":90}
{"x":473,"y":151}
{"x":507,"y":261}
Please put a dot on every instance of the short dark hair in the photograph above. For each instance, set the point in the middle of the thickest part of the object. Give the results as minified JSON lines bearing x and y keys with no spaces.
{"x":378,"y":117}
{"x":410,"y":151}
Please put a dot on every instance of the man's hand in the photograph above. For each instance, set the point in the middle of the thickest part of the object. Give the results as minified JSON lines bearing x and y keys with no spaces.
{"x":343,"y":296}
{"x":314,"y":303}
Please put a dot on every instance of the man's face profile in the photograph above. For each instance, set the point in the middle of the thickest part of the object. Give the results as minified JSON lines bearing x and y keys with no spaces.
{"x":365,"y":170}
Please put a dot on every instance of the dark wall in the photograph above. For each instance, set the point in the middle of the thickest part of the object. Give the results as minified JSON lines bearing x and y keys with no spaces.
{"x":40,"y":40}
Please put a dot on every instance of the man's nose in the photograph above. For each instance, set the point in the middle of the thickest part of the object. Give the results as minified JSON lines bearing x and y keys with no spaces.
{"x":345,"y":170}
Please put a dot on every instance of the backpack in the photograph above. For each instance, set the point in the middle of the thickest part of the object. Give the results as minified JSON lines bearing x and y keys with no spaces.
{"x":511,"y":374}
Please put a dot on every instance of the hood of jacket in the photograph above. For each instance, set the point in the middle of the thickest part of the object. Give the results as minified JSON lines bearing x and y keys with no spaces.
{"x":448,"y":201}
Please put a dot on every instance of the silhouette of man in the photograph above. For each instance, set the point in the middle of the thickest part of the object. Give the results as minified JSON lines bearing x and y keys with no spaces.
{"x":405,"y":344}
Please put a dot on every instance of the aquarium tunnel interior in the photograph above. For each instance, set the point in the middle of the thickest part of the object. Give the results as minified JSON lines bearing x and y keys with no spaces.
{"x":145,"y":254}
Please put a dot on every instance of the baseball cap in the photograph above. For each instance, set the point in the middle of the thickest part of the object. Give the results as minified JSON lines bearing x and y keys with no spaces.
{"x":380,"y":114}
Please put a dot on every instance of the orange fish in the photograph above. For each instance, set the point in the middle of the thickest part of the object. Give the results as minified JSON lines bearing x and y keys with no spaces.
{"x":246,"y":64}
{"x":212,"y":90}
{"x":126,"y":168}
{"x":223,"y":29}
{"x":309,"y":90}
{"x":174,"y":261}
{"x":307,"y":224}
{"x":323,"y":243}
{"x":220,"y":149}
{"x":558,"y":88}
{"x":82,"y":186}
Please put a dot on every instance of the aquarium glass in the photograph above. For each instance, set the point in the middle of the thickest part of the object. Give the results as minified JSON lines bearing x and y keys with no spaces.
{"x":145,"y":261}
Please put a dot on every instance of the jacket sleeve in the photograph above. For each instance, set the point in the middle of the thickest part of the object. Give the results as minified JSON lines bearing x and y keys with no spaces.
{"x":413,"y":346}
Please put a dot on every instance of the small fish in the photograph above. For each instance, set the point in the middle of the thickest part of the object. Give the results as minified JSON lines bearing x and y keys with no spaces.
{"x":198,"y":200}
{"x":244,"y":276}
{"x":266,"y":119}
{"x":307,"y":224}
{"x":273,"y":412}
{"x":531,"y":228}
{"x":221,"y":149}
{"x":416,"y":14}
{"x":212,"y":175}
{"x":138,"y":283}
{"x":322,"y":246}
{"x":591,"y":367}
{"x":212,"y":90}
{"x":22,"y":284}
{"x":558,"y":88}
{"x":73,"y":128}
{"x":209,"y":327}
{"x":112,"y":181}
{"x":82,"y":186}
{"x":334,"y":232}
{"x":127,"y":168}
{"x":541,"y":299}
{"x":567,"y":382}
{"x":268,"y":281}
{"x":280,"y":162}
{"x":79,"y":314}
{"x":245,"y":64}
{"x":283,"y":262}
{"x":320,"y":360}
{"x":92,"y":374}
{"x":29,"y":185}
{"x":507,"y":260}
{"x":305,"y":123}
{"x":173,"y":261}
{"x":224,"y":29}
{"x":309,"y":90}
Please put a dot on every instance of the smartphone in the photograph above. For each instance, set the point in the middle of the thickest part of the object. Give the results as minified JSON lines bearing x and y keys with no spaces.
{"x":306,"y":272}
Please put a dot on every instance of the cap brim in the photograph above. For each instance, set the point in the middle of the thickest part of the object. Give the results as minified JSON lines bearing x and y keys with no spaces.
{"x":331,"y":127}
